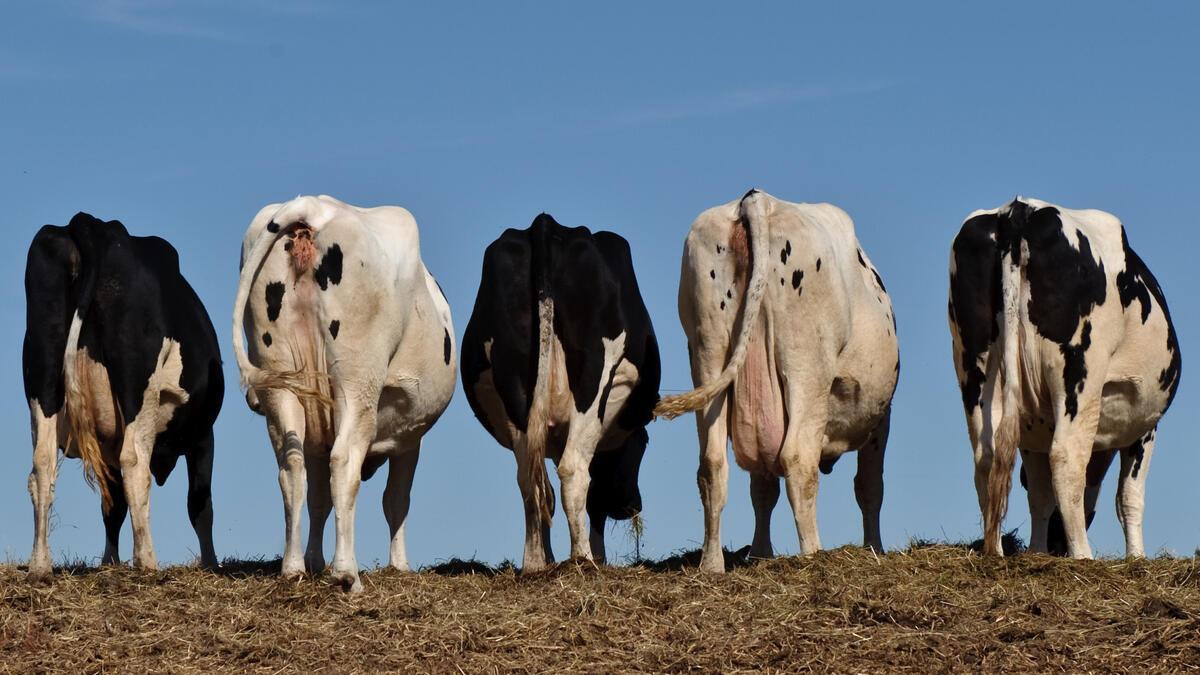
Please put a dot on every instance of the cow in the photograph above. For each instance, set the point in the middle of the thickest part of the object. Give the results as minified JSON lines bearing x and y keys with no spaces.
{"x":349,"y":355}
{"x":122,"y":369}
{"x":793,"y":349}
{"x":1064,"y":348}
{"x":560,"y":360}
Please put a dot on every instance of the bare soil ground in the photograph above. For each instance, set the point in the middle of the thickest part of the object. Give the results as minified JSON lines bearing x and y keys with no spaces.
{"x":929,"y":609}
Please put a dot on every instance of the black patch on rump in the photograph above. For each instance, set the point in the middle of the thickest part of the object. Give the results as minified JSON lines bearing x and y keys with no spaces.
{"x":975,"y":299}
{"x":272,"y":227}
{"x":1140,"y":282}
{"x":818,"y":264}
{"x":797,"y":277}
{"x":266,"y":338}
{"x":334,"y":327}
{"x":1075,"y":369}
{"x":275,"y":291}
{"x":330,"y":269}
{"x":785,"y":252}
{"x":446,"y":346}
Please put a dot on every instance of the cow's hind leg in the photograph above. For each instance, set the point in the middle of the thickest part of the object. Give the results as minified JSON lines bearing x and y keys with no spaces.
{"x":199,"y":500}
{"x":356,"y":429}
{"x":319,"y":506}
{"x":41,"y":490}
{"x":800,"y":458}
{"x":396,"y":500}
{"x":574,"y":477}
{"x":713,"y":477}
{"x":114,"y":520}
{"x":1131,"y":492}
{"x":868,"y":483}
{"x":537,"y":528}
{"x":764,"y":494}
{"x":135,"y":473}
{"x":286,"y":427}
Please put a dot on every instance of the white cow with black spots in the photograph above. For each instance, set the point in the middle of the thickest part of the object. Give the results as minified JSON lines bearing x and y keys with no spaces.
{"x":1064,"y":348}
{"x":351,"y":359}
{"x":793,"y":350}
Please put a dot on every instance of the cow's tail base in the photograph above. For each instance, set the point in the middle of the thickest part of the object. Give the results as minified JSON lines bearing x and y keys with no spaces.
{"x":79,"y":415}
{"x":299,"y":382}
{"x":1007,"y":431}
{"x":752,"y":212}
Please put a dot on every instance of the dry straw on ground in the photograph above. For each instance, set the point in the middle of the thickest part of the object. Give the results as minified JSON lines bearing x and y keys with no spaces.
{"x":932,"y":608}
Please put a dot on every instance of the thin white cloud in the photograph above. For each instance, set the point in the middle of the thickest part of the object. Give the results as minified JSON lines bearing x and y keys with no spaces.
{"x":729,"y":102}
{"x":176,"y":18}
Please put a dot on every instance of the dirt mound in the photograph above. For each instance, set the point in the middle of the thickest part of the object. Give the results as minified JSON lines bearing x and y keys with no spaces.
{"x":932,"y":608}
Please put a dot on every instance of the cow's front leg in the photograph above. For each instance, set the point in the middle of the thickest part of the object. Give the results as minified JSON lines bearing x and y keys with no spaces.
{"x":597,"y":520}
{"x":114,"y":520}
{"x":135,"y":474}
{"x":574,"y":477}
{"x":868,"y":483}
{"x":1131,"y":492}
{"x":41,"y":489}
{"x":396,"y":500}
{"x":764,"y":495}
{"x":713,"y":478}
{"x":199,"y":500}
{"x":355,"y":433}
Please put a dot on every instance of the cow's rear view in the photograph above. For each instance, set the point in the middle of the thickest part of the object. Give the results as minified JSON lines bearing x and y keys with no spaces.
{"x":351,"y":360}
{"x":122,"y":369}
{"x":1064,"y":348}
{"x":560,"y":361}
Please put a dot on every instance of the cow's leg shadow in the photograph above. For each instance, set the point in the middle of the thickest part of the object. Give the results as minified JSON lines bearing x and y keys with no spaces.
{"x":402,"y":466}
{"x":1131,"y":492}
{"x":199,"y":499}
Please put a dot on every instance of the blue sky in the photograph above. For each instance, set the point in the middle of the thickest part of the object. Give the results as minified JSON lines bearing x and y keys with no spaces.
{"x":183,"y":119}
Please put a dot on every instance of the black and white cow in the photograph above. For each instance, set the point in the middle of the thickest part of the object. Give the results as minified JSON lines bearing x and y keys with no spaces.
{"x":351,"y":360}
{"x":793,"y":349}
{"x":122,"y":370}
{"x":560,"y":361}
{"x":1064,"y":348}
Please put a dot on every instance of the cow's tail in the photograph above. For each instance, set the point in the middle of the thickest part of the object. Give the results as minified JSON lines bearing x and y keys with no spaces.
{"x":78,"y":395}
{"x":537,"y":426}
{"x":753,"y":212}
{"x":299,"y":381}
{"x":1007,"y":428}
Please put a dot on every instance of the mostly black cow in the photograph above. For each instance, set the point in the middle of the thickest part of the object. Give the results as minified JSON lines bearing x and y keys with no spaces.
{"x":1064,"y":348}
{"x":122,"y":370}
{"x":559,"y":360}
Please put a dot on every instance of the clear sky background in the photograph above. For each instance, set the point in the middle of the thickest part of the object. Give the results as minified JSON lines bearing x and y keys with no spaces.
{"x":183,"y":119}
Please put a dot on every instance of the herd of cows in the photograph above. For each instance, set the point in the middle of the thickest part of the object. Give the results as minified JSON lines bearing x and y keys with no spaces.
{"x":1062,"y":342}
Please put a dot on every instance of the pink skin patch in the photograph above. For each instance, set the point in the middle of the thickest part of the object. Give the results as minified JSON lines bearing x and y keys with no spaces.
{"x":757,"y":423}
{"x":303,"y":250}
